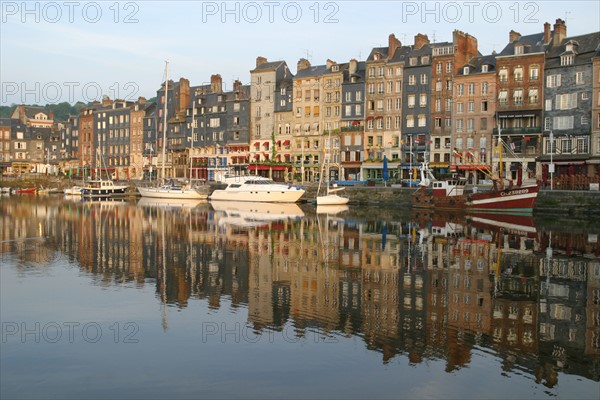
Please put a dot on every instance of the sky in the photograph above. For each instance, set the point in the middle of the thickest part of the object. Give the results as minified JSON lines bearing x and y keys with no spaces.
{"x":73,"y":50}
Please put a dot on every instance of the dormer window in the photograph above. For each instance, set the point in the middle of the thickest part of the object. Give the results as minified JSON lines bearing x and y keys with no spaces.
{"x":335,"y":68}
{"x":484,"y":68}
{"x":376,"y":56}
{"x":413,"y":61}
{"x":519,"y":50}
{"x":466,"y":70}
{"x":567,"y":59}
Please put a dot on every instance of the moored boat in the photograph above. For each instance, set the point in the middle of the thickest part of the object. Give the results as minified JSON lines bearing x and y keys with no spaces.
{"x":30,"y":190}
{"x":102,"y":188}
{"x":73,"y":191}
{"x":452,"y":194}
{"x":173,"y":191}
{"x":257,"y":189}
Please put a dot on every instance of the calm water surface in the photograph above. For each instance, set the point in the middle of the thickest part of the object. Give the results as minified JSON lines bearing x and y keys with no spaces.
{"x":229,"y":300}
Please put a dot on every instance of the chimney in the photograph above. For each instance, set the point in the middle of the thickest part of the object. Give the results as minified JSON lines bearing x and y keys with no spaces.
{"x":184,"y":95}
{"x":303,"y":63}
{"x":216,"y":83}
{"x":51,"y":115}
{"x":393,"y":44}
{"x":329,"y":63}
{"x":260,"y":60}
{"x":420,"y":41}
{"x":546,"y":33}
{"x":353,"y":67}
{"x":106,"y":101}
{"x":237,"y":85}
{"x":141,"y":100}
{"x":560,"y":32}
{"x":512,"y":36}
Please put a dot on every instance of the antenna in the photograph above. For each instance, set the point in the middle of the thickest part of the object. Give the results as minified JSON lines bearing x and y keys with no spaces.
{"x":308,"y":54}
{"x":567,"y":16}
{"x":433,"y":36}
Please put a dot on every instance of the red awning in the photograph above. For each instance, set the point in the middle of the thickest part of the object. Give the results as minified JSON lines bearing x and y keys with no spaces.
{"x":279,"y":143}
{"x":268,"y":167}
{"x":265,"y":143}
{"x":286,"y":142}
{"x":257,"y":144}
{"x":257,"y":156}
{"x":369,"y":118}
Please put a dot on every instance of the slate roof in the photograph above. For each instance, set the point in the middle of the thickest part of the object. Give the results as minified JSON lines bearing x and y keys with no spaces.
{"x":585,"y":48}
{"x":476,"y":63}
{"x":533,"y":44}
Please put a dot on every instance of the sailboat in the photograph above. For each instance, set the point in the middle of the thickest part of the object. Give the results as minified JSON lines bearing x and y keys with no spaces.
{"x":100,"y":188}
{"x":452,"y":194}
{"x":173,"y":190}
{"x":330,"y":197}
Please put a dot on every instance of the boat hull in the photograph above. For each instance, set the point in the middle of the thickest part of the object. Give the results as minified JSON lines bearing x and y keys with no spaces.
{"x":332,"y":200}
{"x":264,"y":195}
{"x":162,"y":193}
{"x":518,"y":199}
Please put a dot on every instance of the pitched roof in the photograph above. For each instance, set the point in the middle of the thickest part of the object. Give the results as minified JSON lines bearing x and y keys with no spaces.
{"x":585,"y":47}
{"x":533,"y":44}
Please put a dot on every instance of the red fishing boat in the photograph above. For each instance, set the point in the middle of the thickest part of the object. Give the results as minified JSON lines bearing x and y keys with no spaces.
{"x":453,"y":194}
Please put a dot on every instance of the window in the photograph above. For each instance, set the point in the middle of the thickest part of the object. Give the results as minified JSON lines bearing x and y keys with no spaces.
{"x":438,"y":86}
{"x":412,"y":80}
{"x":534,"y":73}
{"x":503,"y":75}
{"x":410,"y":121}
{"x":484,"y":88}
{"x":518,"y":74}
{"x":411,"y":101}
{"x":484,"y":68}
{"x":579,"y":78}
{"x":483,"y":124}
{"x":459,"y":128}
{"x":553,"y":81}
{"x":438,"y":68}
{"x":565,"y":122}
{"x":484,"y":105}
{"x":438,"y":105}
{"x":423,"y":100}
{"x":471,"y":106}
{"x":422,"y":120}
{"x":471,"y":89}
{"x":466,"y":71}
{"x":470,"y":128}
{"x":566,"y":101}
{"x":459,"y":107}
{"x":423,"y":79}
{"x":503,"y":97}
{"x":448,"y":67}
{"x":461,"y":89}
{"x":567,"y":59}
{"x":533,"y":96}
{"x":518,"y":96}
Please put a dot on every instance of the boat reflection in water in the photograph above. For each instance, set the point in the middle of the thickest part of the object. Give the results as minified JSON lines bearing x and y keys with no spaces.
{"x":420,"y":287}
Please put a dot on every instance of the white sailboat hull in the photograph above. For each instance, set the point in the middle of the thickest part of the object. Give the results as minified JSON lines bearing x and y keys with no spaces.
{"x":331,"y":200}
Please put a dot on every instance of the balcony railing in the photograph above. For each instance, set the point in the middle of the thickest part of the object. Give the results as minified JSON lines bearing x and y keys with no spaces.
{"x":518,"y":131}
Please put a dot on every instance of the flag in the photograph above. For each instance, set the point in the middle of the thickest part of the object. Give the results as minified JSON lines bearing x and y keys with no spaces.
{"x":457,"y":153}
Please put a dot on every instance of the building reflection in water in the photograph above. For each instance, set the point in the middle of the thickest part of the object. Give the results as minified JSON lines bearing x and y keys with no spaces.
{"x":423,"y":286}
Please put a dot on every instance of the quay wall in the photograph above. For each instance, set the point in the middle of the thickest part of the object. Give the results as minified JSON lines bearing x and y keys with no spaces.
{"x":552,"y":202}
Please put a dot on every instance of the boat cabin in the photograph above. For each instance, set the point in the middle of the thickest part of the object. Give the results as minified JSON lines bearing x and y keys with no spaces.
{"x":448,"y":188}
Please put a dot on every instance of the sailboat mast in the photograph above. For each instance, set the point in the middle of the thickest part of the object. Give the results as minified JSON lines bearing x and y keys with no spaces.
{"x":192,"y":147}
{"x":164,"y":144}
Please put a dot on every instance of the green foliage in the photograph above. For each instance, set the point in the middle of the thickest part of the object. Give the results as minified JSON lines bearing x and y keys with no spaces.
{"x":61,"y":110}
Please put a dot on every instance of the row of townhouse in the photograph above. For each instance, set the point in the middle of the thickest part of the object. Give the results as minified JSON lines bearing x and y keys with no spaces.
{"x":444,"y":103}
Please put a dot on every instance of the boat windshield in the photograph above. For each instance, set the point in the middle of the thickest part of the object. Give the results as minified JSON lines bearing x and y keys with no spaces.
{"x":259,"y":182}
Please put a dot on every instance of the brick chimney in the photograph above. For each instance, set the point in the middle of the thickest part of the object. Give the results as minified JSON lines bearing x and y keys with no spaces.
{"x":184,"y":94}
{"x":260,"y":60}
{"x":106,"y":101}
{"x":560,"y":32}
{"x":237,"y":85}
{"x":420,"y":41}
{"x":513,"y":35}
{"x":216,"y":83}
{"x":547,"y":35}
{"x":303,"y":63}
{"x":393,"y":44}
{"x":329,"y":63}
{"x":141,"y":100}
